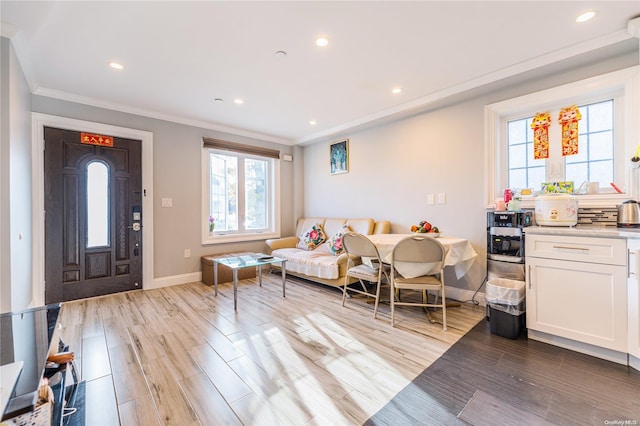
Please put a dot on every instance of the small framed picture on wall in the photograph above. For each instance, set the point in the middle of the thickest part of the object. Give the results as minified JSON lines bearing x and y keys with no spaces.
{"x":339,"y":157}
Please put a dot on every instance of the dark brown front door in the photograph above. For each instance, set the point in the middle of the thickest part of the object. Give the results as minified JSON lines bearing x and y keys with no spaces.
{"x":93,"y":213}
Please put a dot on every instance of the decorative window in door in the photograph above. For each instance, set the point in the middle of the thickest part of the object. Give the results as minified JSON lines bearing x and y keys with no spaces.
{"x":97,"y":204}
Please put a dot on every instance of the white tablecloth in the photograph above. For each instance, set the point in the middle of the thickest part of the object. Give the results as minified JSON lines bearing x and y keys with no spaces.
{"x":458,"y":251}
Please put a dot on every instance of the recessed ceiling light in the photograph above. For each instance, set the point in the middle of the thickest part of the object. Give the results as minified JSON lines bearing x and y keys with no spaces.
{"x":116,"y":66}
{"x":281,"y":54}
{"x":238,"y":101}
{"x":396,"y":90}
{"x":322,"y":41}
{"x":313,"y":122}
{"x":218,"y":100}
{"x":586,"y":16}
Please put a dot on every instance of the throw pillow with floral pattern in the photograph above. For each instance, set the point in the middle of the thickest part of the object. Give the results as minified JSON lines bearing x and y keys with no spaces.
{"x":335,"y":242}
{"x":312,"y":238}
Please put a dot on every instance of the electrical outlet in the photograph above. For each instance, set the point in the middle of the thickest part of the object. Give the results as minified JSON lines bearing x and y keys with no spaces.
{"x":187,"y":253}
{"x":442,"y":199}
{"x":431,"y":199}
{"x":167,"y":202}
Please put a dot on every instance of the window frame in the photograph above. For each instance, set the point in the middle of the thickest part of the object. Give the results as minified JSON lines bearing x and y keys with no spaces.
{"x":622,"y":86}
{"x":272,"y":231}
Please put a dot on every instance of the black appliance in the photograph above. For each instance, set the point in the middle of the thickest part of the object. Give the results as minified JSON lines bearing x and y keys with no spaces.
{"x":505,"y":243}
{"x":26,"y":336}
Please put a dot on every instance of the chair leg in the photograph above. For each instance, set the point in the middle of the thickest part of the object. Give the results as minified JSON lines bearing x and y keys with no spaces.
{"x":444,"y":311}
{"x":393,"y":305}
{"x":344,"y":289}
{"x":375,"y":308}
{"x":425,"y":300}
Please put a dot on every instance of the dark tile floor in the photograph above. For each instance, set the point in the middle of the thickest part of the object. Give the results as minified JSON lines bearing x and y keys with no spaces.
{"x":486,"y":379}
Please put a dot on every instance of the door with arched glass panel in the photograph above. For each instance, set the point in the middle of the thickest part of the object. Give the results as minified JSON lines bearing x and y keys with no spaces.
{"x":93,"y":202}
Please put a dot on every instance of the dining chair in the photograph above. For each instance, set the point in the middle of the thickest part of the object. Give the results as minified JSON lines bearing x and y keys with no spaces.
{"x":417,"y":263}
{"x":360,"y":249}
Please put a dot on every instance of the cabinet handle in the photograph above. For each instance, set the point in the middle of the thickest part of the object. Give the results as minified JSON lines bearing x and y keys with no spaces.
{"x":637,"y":252}
{"x":529,"y":277}
{"x":571,"y":248}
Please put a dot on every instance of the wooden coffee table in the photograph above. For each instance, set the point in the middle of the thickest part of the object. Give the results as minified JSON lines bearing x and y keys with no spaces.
{"x":247,"y":261}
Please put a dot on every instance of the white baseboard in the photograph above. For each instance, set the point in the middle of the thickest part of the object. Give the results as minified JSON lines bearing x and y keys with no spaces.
{"x":585,"y":348}
{"x":634,"y":362}
{"x":175,"y":280}
{"x":464,"y":295}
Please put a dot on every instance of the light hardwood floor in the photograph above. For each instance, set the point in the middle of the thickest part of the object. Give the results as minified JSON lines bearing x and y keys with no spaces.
{"x":180,"y":356}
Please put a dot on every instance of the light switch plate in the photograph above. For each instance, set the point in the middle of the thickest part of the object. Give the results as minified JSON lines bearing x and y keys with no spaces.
{"x":431,"y":199}
{"x":442,"y":199}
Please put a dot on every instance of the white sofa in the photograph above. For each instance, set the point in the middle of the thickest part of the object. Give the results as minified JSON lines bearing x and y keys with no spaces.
{"x":320,"y":264}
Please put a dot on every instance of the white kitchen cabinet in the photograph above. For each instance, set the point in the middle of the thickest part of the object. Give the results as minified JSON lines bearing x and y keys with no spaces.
{"x":633,"y":294}
{"x":576,"y":294}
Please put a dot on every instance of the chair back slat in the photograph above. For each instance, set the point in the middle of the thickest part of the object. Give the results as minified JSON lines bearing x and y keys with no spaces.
{"x":418,"y":249}
{"x":357,"y":244}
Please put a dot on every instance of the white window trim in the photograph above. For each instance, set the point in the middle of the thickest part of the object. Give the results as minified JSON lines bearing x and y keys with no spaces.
{"x":626,"y":81}
{"x":244,"y":236}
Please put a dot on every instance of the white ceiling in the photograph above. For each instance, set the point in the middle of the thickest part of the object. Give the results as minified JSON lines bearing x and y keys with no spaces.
{"x":180,"y":56}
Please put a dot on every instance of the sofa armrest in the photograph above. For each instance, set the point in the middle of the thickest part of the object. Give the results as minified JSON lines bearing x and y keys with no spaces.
{"x":286,"y":242}
{"x":344,"y":257}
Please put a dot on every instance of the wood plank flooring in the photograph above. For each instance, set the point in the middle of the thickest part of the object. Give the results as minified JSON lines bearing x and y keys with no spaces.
{"x":180,"y":356}
{"x":489,"y":380}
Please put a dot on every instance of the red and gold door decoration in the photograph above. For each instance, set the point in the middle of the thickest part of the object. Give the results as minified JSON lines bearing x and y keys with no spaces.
{"x":569,"y":118}
{"x":91,"y":139}
{"x":540,"y":126}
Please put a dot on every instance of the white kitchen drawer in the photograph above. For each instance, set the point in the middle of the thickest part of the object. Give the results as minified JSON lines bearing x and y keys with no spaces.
{"x":611,"y":251}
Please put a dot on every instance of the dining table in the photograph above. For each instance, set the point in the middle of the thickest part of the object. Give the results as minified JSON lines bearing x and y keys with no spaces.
{"x":458,"y":251}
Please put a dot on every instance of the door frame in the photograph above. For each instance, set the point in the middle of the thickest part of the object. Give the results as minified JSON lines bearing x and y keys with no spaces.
{"x":38,"y":123}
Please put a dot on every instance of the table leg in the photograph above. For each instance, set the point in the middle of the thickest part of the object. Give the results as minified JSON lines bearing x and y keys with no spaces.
{"x":260,"y":275}
{"x":215,"y":278}
{"x":235,"y":289}
{"x":283,"y":267}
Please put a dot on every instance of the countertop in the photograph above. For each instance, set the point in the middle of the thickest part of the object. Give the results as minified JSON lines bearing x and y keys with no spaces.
{"x":585,"y":231}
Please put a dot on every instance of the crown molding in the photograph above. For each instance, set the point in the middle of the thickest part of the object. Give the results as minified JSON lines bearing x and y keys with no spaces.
{"x":70,"y":97}
{"x":420,"y":103}
{"x":8,"y":30}
{"x":633,"y":27}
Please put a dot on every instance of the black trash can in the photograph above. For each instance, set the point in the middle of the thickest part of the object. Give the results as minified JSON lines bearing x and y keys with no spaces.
{"x":506,"y":303}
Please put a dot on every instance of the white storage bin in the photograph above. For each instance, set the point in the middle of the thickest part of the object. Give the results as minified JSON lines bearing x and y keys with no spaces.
{"x":506,"y":295}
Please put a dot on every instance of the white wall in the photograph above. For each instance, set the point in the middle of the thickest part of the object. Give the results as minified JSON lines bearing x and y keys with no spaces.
{"x":16,"y":241}
{"x":393,"y":166}
{"x":5,"y":247}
